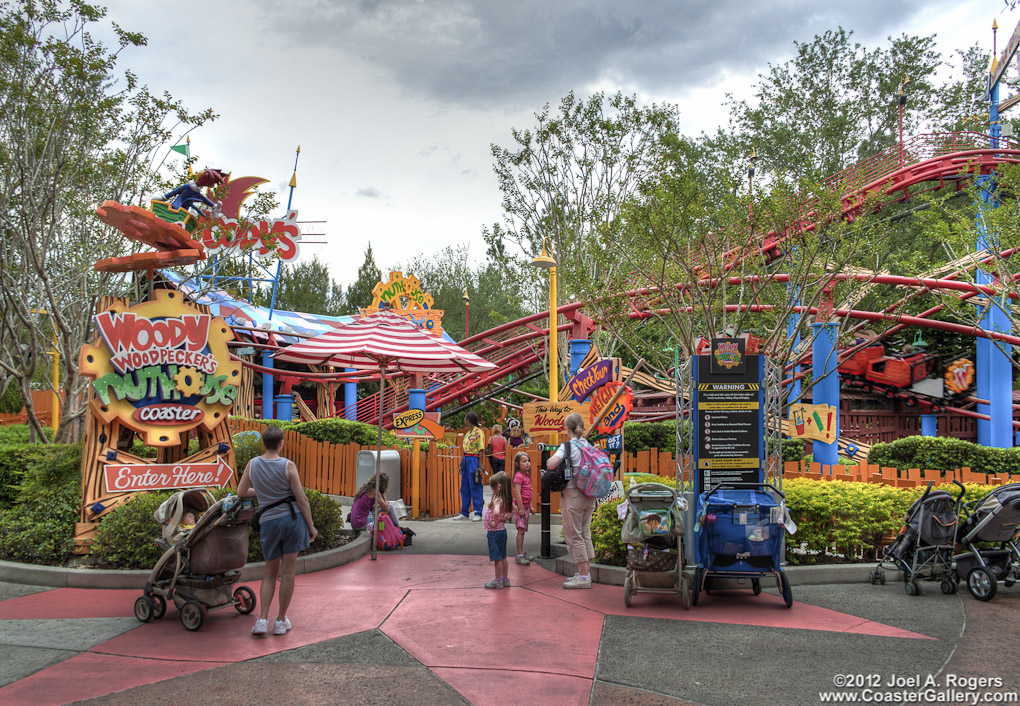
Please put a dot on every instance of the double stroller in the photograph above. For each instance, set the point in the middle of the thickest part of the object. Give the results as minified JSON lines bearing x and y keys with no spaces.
{"x":653,"y":531}
{"x":200,"y":564}
{"x":924,"y":549}
{"x":741,"y":531}
{"x":995,"y":519}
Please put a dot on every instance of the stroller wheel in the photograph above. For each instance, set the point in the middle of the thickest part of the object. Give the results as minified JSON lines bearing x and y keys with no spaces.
{"x":756,"y":587}
{"x":948,"y":587}
{"x":628,"y":587}
{"x":143,"y":609}
{"x":881,"y":577}
{"x":192,"y":615}
{"x":158,"y":606}
{"x":696,"y":588}
{"x":685,"y":585}
{"x":784,"y":588}
{"x":245,"y":598}
{"x":981,"y":583}
{"x":912,"y":588}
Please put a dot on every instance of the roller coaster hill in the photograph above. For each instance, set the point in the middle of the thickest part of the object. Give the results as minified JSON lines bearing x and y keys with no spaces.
{"x":871,"y":373}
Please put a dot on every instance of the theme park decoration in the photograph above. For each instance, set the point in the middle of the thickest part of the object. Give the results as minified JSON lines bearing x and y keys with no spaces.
{"x":548,"y":417}
{"x":161,"y":368}
{"x":813,"y":421}
{"x":614,"y":418}
{"x":174,"y":246}
{"x":135,"y":477}
{"x":587,"y":380}
{"x":403,"y":296}
{"x":416,"y":424}
{"x":960,"y":375}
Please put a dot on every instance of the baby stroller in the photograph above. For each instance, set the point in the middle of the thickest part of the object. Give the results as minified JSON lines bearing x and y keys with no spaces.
{"x":741,"y":532}
{"x":993,"y":518}
{"x":923,"y":551}
{"x":199,"y":565}
{"x":653,"y":531}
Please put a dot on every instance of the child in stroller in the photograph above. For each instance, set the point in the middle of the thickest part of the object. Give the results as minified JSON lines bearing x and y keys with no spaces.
{"x":199,"y":565}
{"x":923,"y":551}
{"x":653,"y":531}
{"x":995,"y":519}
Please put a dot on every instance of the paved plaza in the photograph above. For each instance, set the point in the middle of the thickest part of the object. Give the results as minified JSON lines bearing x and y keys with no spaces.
{"x":418,"y":628}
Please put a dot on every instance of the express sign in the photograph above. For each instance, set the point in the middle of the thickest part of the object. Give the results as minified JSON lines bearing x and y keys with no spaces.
{"x":161,"y":368}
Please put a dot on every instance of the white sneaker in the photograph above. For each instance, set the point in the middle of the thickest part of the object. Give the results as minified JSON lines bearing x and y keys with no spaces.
{"x":577,"y":581}
{"x":460,"y":518}
{"x":261,"y":627}
{"x":280,"y":627}
{"x":476,"y":518}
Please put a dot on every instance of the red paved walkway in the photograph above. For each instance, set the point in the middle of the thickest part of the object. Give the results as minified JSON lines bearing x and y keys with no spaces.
{"x":534,"y":640}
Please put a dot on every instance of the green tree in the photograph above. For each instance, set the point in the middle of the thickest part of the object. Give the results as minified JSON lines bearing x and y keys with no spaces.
{"x":359,"y":293}
{"x":307,"y":287}
{"x":73,"y":133}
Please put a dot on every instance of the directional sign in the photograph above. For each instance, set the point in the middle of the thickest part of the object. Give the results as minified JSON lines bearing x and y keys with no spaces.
{"x":1007,"y":54}
{"x":128,"y":477}
{"x":416,"y":424}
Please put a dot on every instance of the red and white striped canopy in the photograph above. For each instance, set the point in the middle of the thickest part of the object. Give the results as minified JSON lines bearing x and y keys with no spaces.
{"x":384,"y":340}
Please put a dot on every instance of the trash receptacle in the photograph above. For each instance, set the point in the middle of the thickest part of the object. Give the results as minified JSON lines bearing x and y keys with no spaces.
{"x":389,"y":464}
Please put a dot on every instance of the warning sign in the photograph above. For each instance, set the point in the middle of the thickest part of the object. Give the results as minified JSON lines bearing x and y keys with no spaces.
{"x":728,"y":436}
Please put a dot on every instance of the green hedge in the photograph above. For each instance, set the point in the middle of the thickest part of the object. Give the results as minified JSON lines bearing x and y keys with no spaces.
{"x":336,"y":431}
{"x":944,"y":454}
{"x":18,"y":434}
{"x":837,"y":521}
{"x":125,"y":537}
{"x":642,"y":436}
{"x":39,"y":529}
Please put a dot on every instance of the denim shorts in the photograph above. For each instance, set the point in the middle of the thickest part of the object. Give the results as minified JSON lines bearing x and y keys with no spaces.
{"x":497,"y":544}
{"x":284,"y":535}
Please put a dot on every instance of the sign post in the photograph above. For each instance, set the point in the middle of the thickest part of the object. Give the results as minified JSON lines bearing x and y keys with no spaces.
{"x":729,"y":424}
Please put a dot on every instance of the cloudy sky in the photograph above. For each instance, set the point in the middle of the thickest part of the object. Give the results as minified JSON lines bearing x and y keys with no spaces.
{"x":395,"y":103}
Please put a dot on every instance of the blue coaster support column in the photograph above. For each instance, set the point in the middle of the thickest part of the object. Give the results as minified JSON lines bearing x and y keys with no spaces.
{"x":267,"y":387}
{"x":826,"y":385}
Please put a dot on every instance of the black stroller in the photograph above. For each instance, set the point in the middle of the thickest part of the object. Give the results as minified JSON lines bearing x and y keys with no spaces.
{"x":994,"y":518}
{"x":924,"y":549}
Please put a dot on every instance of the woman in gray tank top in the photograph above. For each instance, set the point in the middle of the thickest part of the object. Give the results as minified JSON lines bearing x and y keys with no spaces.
{"x":284,"y":529}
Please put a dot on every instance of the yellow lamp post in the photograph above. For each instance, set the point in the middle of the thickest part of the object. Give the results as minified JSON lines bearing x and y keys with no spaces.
{"x":546,"y":262}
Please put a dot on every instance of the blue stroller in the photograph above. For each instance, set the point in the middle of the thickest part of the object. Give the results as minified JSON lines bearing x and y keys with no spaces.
{"x":740,"y":534}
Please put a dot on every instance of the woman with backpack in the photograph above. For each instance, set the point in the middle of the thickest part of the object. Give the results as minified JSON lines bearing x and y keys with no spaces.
{"x":576,"y":508}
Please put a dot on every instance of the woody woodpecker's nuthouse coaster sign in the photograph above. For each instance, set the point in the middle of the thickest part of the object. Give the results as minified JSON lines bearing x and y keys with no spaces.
{"x":161,"y":368}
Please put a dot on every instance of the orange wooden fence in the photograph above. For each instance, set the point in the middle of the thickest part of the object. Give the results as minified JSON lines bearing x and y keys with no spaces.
{"x":908,"y":478}
{"x":42,"y":400}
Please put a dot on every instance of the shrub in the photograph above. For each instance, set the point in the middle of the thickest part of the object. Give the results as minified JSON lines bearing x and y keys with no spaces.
{"x":124,"y":537}
{"x":793,"y":449}
{"x":247,"y":445}
{"x":944,"y":454}
{"x":605,"y":534}
{"x":13,"y":460}
{"x":641,"y":436}
{"x":18,"y":433}
{"x":41,"y":530}
{"x":344,"y":431}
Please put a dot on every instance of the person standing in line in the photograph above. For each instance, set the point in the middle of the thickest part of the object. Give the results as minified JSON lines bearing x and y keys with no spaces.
{"x":516,"y":436}
{"x":522,"y":502}
{"x":497,"y":450}
{"x":470,"y":474}
{"x":498,"y":512}
{"x":576,"y":508}
{"x":283,"y":531}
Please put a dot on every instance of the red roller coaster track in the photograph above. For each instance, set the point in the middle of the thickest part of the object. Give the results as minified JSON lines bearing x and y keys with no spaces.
{"x":937,"y":161}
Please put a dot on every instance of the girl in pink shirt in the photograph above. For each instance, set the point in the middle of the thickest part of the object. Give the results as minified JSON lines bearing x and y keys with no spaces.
{"x":499,"y":511}
{"x":522,"y":501}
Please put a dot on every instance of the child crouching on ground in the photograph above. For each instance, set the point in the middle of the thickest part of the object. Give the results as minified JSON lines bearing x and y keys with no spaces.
{"x":522,"y":502}
{"x":498,"y":512}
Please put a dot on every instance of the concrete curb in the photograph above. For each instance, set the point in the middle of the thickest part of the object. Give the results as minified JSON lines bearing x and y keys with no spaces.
{"x":60,"y":577}
{"x":798,"y":575}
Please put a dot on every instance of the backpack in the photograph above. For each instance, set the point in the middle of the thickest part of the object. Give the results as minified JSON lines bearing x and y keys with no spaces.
{"x":594,"y":476}
{"x":558,"y":478}
{"x":388,"y":535}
